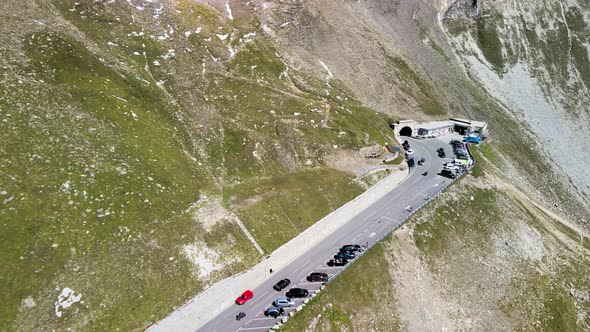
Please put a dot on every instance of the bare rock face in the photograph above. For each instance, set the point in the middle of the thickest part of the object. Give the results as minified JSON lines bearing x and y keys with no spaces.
{"x":465,"y":9}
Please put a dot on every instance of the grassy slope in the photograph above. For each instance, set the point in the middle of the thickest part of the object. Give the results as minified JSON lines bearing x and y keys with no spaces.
{"x":99,"y":163}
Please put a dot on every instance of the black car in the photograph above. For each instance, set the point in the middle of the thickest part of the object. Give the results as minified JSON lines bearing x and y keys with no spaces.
{"x":274,"y":312}
{"x":442,"y":154}
{"x":281,"y":285}
{"x":345,"y":255}
{"x":317,"y":276}
{"x":421,"y":161}
{"x":338,"y":262}
{"x":407,"y":147}
{"x":297,"y":292}
{"x":448,"y":173}
{"x":351,"y":247}
{"x":411,"y":162}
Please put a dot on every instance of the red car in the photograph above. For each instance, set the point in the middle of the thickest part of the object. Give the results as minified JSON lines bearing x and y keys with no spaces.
{"x":244,"y":297}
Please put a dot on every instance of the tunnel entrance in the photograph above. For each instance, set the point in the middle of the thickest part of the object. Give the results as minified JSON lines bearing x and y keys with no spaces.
{"x":405,"y":131}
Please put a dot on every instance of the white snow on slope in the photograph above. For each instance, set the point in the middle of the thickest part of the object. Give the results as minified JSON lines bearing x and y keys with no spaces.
{"x":228,"y":8}
{"x":65,"y":300}
{"x":327,"y":69}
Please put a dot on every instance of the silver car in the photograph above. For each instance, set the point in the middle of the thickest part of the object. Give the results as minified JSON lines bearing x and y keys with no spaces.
{"x":283,"y":301}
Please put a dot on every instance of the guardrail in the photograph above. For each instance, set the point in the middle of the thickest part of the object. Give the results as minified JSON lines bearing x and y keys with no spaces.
{"x":401,"y":223}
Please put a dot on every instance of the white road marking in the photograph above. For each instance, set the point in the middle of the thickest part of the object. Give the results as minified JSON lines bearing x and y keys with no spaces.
{"x":436,"y":184}
{"x":264,"y":318}
{"x":309,"y":283}
{"x":329,"y":267}
{"x":299,"y":268}
{"x":259,"y":297}
{"x":390,"y":219}
{"x":372,"y":234}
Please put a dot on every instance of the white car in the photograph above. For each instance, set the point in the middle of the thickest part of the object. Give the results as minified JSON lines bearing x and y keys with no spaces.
{"x":410,"y":151}
{"x":283,"y":301}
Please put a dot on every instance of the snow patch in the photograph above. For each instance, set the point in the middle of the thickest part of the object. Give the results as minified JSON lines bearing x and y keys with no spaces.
{"x":65,"y":300}
{"x":327,"y":69}
{"x":228,"y":9}
{"x":29,"y":302}
{"x":248,"y":37}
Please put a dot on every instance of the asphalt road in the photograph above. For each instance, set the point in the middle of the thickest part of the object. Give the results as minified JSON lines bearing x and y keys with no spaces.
{"x":366,"y":228}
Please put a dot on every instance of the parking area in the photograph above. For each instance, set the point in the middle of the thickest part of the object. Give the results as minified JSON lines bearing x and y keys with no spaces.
{"x":290,"y":295}
{"x":451,"y":148}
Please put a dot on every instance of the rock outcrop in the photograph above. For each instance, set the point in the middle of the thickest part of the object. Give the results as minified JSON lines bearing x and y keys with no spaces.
{"x":464,"y":9}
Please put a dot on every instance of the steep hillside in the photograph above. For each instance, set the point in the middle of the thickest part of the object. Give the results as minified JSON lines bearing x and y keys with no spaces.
{"x":134,"y":135}
{"x":534,"y":58}
{"x":140,"y":138}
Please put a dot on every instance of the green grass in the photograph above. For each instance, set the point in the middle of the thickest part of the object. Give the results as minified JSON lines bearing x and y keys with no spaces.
{"x":580,"y":36}
{"x":102,"y":162}
{"x":92,"y":174}
{"x":343,"y":303}
{"x":542,"y":303}
{"x":397,"y":160}
{"x":481,"y":151}
{"x":489,"y":43}
{"x":289,"y":204}
{"x":460,"y":219}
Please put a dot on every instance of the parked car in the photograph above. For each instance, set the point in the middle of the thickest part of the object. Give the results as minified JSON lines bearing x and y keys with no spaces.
{"x":283,"y":302}
{"x":279,"y":286}
{"x":472,"y":139}
{"x":409,"y":151}
{"x":274,"y":312}
{"x":448,"y":173}
{"x":405,"y":143}
{"x":317,"y":276}
{"x":411,"y":162}
{"x":351,"y":247}
{"x":421,"y":161}
{"x":338,"y":262}
{"x":244,"y":297}
{"x":345,"y":255}
{"x":442,"y":154}
{"x":297,"y":292}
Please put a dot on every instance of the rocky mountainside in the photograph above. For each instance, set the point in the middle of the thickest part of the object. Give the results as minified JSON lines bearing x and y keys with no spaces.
{"x":141,"y":137}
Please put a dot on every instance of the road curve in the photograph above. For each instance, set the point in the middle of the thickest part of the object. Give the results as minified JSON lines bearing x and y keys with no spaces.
{"x":367,"y":227}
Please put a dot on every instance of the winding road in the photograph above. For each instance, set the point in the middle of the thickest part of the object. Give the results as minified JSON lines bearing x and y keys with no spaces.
{"x":364,"y":220}
{"x":367,"y":227}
